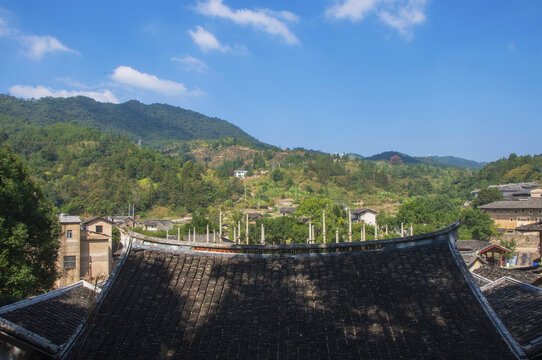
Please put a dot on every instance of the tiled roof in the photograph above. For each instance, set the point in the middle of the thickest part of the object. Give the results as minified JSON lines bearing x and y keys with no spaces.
{"x":492,"y":272}
{"x":97,"y":218}
{"x":531,"y":227}
{"x":287,"y":209}
{"x":519,"y":306}
{"x":402,"y":299}
{"x":67,"y":219}
{"x":363,"y":211}
{"x":471,"y":244}
{"x":532,"y":203}
{"x":47,"y":321}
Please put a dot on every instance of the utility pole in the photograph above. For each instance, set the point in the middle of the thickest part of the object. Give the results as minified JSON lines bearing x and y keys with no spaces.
{"x":324,"y":226}
{"x":246,"y":235}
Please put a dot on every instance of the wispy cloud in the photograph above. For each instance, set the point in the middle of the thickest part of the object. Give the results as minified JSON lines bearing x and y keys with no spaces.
{"x":131,"y":77}
{"x":511,"y":46}
{"x":401,"y":15}
{"x":272,"y":22}
{"x":34,"y":46}
{"x":37,"y":92}
{"x":207,"y":41}
{"x":191,"y":63}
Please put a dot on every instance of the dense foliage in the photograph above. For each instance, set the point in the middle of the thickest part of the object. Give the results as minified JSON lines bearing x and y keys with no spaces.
{"x":29,"y":233}
{"x":86,"y":172}
{"x":158,"y":125}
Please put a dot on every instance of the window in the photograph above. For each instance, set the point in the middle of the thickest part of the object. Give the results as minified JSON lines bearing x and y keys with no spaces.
{"x":540,"y":211}
{"x":69,"y":262}
{"x":68,"y":234}
{"x":530,"y":212}
{"x":99,"y":229}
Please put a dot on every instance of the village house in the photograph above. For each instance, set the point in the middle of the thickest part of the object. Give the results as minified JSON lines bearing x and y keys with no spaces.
{"x":515,"y":191}
{"x":364,"y":215}
{"x":157,"y":224}
{"x":85,"y":249}
{"x":286,"y":210}
{"x":510,"y":214}
{"x":240,"y":174}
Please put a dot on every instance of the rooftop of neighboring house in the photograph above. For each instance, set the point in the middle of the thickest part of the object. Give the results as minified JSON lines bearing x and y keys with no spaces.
{"x":97,"y":218}
{"x":532,"y":276}
{"x":512,"y":187}
{"x":532,"y":203}
{"x":530,"y":227}
{"x":69,"y":219}
{"x":156,"y":221}
{"x":47,"y":321}
{"x":362,"y":211}
{"x":345,"y":300}
{"x":519,"y":306}
{"x":287,"y":209}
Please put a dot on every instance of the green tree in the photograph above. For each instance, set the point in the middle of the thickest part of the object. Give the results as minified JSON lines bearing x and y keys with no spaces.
{"x":476,"y":225}
{"x":486,"y":196}
{"x":29,"y":232}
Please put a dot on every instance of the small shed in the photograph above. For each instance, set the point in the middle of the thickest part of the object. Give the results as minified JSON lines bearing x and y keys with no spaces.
{"x":286,"y":210}
{"x":157,"y":224}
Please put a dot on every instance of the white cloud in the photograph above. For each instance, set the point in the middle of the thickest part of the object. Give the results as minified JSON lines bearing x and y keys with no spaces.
{"x":352,"y":9}
{"x":191,"y":63}
{"x":34,"y":46}
{"x":206,"y":41}
{"x":265,"y":20}
{"x":511,"y":46}
{"x":4,"y":29}
{"x":401,"y":15}
{"x":129,"y":76}
{"x":37,"y":46}
{"x":37,"y":92}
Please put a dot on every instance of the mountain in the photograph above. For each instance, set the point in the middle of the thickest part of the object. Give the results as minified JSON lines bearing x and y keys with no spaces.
{"x":387,"y":155}
{"x":448,"y":161}
{"x":157,"y":125}
{"x":452,"y":161}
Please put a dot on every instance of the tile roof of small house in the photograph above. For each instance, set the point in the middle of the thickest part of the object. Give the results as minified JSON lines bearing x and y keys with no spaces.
{"x":387,"y":299}
{"x":493,"y":273}
{"x":472,"y":245}
{"x":69,"y":219}
{"x":48,"y":321}
{"x":97,"y":218}
{"x":532,"y":203}
{"x":519,"y":306}
{"x":363,"y":211}
{"x":530,"y":227}
{"x":287,"y":209}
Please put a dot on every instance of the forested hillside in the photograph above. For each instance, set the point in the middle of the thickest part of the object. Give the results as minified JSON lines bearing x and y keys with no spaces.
{"x":84,"y":171}
{"x":158,"y":125}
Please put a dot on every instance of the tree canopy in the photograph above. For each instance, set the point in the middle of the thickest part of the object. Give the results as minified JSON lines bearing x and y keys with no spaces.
{"x":29,"y":232}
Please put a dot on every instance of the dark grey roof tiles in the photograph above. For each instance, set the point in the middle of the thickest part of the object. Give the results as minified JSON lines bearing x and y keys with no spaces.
{"x":54,"y":316}
{"x":532,"y":203}
{"x":493,"y":272}
{"x":408,"y":302}
{"x":519,"y":306}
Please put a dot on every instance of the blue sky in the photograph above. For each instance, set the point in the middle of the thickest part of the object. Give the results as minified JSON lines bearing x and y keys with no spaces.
{"x":459,"y":77}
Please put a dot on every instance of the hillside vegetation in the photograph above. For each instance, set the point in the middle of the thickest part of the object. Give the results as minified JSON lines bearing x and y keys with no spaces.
{"x":157,"y":125}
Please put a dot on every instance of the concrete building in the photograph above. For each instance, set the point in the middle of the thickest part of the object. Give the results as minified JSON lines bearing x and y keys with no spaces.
{"x":510,"y":214}
{"x":69,"y":252}
{"x":240,"y":173}
{"x":85,"y":249}
{"x":364,"y":215}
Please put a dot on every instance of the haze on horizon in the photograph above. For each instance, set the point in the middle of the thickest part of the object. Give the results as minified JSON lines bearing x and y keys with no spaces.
{"x":455,"y":78}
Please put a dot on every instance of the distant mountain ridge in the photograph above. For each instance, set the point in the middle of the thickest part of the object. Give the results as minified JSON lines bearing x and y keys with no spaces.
{"x":157,"y":125}
{"x":451,"y":161}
